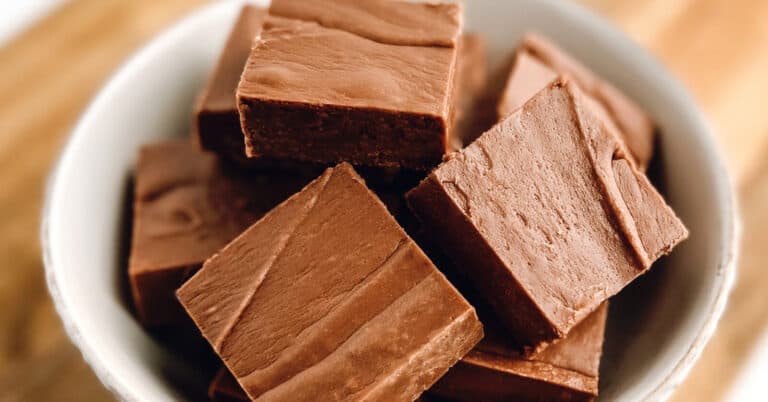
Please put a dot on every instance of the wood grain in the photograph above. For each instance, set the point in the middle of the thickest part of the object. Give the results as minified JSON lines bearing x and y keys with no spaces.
{"x":49,"y":75}
{"x":718,"y":48}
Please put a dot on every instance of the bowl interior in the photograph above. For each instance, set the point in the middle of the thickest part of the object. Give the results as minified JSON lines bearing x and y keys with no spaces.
{"x":656,"y":326}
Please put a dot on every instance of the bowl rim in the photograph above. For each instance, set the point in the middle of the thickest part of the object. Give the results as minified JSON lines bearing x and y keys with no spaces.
{"x":726,"y":269}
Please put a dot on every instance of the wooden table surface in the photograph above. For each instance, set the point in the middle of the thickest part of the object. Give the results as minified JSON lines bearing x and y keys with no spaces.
{"x":718,"y":48}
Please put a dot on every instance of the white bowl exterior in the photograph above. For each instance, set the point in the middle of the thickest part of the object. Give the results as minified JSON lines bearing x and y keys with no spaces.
{"x":150,"y":98}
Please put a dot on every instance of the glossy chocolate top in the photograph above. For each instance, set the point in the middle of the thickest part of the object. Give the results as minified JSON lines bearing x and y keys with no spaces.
{"x":327,"y":295}
{"x":384,"y":21}
{"x":184,"y":211}
{"x":302,"y":62}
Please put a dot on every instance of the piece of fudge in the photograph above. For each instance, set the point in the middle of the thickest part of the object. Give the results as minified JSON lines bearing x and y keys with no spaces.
{"x":385,"y":21}
{"x":494,"y":370}
{"x":538,"y":62}
{"x":186,"y":207}
{"x":471,"y":80}
{"x":327,"y":295}
{"x":546,"y":216}
{"x":216,"y":117}
{"x":340,"y":80}
{"x":526,"y":77}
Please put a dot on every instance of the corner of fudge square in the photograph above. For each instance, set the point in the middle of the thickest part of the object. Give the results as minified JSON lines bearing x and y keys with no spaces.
{"x":327,"y":295}
{"x":370,"y":88}
{"x":546,"y":216}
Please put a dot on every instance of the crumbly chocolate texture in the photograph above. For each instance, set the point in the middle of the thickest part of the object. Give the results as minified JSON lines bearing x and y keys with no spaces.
{"x":319,"y":88}
{"x":546,"y":215}
{"x":536,"y":55}
{"x":186,"y":207}
{"x":336,"y":296}
{"x":494,"y":370}
{"x":216,"y":117}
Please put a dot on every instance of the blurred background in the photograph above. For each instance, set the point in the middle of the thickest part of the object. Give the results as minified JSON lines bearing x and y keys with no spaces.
{"x":56,"y":54}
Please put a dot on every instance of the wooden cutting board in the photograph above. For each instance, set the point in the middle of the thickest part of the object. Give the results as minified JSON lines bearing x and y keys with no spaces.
{"x":718,"y":48}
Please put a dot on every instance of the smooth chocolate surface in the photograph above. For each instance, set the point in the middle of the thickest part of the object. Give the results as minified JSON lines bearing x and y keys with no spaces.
{"x":186,"y":207}
{"x":384,"y":21}
{"x":327,"y":295}
{"x":494,"y":370}
{"x":546,"y":215}
{"x":216,"y":116}
{"x":527,"y":77}
{"x":634,"y":125}
{"x":318,"y":92}
{"x":471,"y":80}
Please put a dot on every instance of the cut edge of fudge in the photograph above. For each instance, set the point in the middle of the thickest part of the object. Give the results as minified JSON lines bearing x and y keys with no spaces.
{"x":541,"y":379}
{"x":217,"y":122}
{"x":560,"y":369}
{"x":421,"y":366}
{"x":219,"y":92}
{"x":443,"y":207}
{"x":471,"y":79}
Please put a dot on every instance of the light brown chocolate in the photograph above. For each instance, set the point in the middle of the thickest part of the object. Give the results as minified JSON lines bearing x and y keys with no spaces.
{"x":471,"y":80}
{"x":224,"y":388}
{"x":539,"y":61}
{"x":384,"y":21}
{"x":216,"y":118}
{"x":186,"y":207}
{"x":527,"y":77}
{"x":546,"y":215}
{"x":494,"y":370}
{"x":327,"y":295}
{"x":323,"y":94}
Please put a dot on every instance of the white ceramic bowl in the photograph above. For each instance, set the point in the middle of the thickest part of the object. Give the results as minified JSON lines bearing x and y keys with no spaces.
{"x":657,"y":327}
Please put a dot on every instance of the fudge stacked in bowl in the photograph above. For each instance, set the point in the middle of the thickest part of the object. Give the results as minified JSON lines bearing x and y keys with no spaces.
{"x":365,"y":213}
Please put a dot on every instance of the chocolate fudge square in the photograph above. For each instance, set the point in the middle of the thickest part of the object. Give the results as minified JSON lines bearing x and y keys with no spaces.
{"x":216,"y":117}
{"x":546,"y":216}
{"x":328,"y":296}
{"x":368,"y":82}
{"x":186,"y":207}
{"x":494,"y":370}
